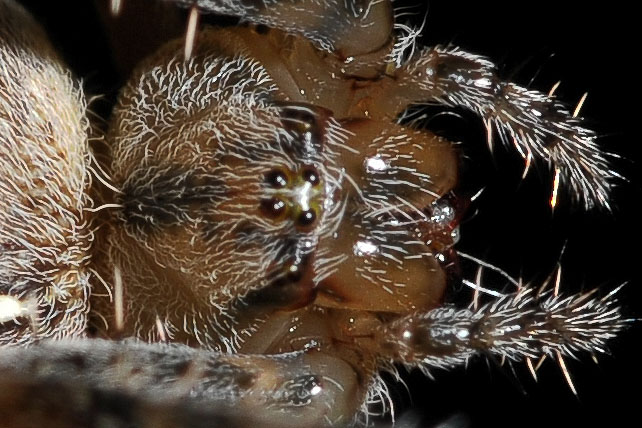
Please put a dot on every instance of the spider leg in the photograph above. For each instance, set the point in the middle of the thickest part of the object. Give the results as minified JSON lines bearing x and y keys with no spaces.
{"x":45,"y":234}
{"x":63,"y":404}
{"x":346,"y":27}
{"x":293,"y":389}
{"x":535,"y":123}
{"x":520,"y":326}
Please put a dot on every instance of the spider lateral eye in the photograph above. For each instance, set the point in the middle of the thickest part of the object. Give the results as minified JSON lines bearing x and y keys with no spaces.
{"x":277,"y":178}
{"x":274,"y":208}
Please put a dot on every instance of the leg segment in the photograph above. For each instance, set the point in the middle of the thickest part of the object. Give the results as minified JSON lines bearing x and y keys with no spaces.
{"x":44,"y":157}
{"x":536,"y":123}
{"x":295,"y":389}
{"x":347,"y":27}
{"x":517,"y":327}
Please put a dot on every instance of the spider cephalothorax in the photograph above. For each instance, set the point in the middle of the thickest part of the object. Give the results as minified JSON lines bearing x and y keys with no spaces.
{"x":265,"y":210}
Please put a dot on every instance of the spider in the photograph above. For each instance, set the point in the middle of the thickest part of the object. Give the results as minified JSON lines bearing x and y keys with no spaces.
{"x":268,"y":207}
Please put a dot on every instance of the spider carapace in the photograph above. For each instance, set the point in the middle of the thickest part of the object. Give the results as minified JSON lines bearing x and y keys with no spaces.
{"x":262,"y":219}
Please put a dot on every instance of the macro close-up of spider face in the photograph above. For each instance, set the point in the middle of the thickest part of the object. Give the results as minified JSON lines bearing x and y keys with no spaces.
{"x":261,"y":221}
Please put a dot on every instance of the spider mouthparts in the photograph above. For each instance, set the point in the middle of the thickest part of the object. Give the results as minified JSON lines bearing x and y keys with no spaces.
{"x":291,"y":287}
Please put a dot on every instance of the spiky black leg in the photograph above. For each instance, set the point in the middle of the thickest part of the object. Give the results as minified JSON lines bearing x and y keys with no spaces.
{"x":538,"y":125}
{"x":520,"y":326}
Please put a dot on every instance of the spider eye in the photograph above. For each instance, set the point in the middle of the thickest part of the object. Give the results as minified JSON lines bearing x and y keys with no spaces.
{"x":273,"y":208}
{"x":276,"y":178}
{"x":306,"y":218}
{"x":311,"y":175}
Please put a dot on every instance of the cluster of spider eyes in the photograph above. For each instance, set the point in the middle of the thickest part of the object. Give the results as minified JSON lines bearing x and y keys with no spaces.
{"x":293,"y":196}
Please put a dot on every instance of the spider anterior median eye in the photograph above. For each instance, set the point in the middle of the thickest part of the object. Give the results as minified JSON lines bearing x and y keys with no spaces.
{"x":276,"y":178}
{"x":306,"y":218}
{"x":274,"y":207}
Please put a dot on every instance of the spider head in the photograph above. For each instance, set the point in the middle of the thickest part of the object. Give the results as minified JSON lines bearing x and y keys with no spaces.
{"x":230,"y":194}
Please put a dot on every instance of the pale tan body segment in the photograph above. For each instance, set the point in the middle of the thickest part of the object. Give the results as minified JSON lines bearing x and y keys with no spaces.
{"x":44,"y":231}
{"x":265,"y":207}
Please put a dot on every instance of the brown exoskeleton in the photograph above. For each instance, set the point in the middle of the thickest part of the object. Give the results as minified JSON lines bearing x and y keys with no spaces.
{"x":267,"y":215}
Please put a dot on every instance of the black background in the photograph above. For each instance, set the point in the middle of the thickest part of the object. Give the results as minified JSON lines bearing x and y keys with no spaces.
{"x":589,"y":48}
